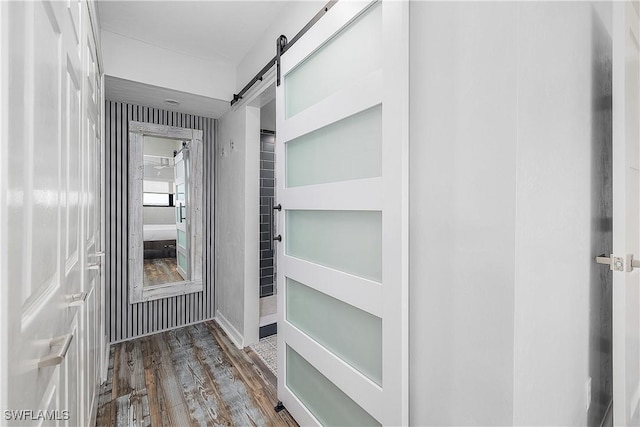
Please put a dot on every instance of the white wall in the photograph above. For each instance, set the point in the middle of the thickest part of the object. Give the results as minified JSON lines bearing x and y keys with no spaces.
{"x":462,"y":225}
{"x":134,"y":60}
{"x":501,"y":213}
{"x":237,"y":223}
{"x":158,"y":215}
{"x":237,"y":186}
{"x":555,"y":226}
{"x":268,"y":116}
{"x":163,"y":147}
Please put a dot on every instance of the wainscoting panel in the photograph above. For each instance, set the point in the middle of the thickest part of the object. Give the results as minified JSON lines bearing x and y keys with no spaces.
{"x":124,"y":320}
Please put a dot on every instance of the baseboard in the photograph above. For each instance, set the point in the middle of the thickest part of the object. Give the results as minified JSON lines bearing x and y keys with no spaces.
{"x":607,"y":420}
{"x":104,"y":363}
{"x":93,"y":415}
{"x":227,"y":327}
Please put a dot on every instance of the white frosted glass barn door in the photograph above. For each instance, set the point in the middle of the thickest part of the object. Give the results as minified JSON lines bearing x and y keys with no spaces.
{"x":341,"y":269}
{"x":182,"y":248}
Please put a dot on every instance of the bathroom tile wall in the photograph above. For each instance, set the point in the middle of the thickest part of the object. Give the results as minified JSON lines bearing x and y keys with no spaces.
{"x":267,"y":200}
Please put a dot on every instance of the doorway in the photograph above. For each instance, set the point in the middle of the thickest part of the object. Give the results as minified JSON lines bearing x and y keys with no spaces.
{"x":268,"y":310}
{"x":266,"y":348}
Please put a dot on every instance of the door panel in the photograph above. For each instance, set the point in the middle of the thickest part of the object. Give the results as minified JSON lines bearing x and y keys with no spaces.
{"x":352,"y":334}
{"x":35,"y":262}
{"x":345,"y":150}
{"x":626,"y":216}
{"x":182,"y":222}
{"x":324,"y":68}
{"x":329,"y":404}
{"x":342,"y":186}
{"x":52,"y":208}
{"x":349,"y":241}
{"x":72,"y":158}
{"x":89,"y":334}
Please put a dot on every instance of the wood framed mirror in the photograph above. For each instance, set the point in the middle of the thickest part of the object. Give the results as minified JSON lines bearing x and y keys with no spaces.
{"x":165,"y":211}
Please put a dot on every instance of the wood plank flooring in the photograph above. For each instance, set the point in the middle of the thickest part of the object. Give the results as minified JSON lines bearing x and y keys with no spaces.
{"x":160,"y":270}
{"x":192,"y":376}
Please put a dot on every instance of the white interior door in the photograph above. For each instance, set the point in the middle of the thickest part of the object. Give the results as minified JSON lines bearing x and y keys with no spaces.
{"x":626,"y":219}
{"x":90,"y":335}
{"x":342,"y":265}
{"x":182,"y":240}
{"x":51,"y":205}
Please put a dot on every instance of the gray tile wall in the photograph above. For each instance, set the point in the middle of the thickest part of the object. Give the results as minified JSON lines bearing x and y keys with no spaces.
{"x":267,"y":200}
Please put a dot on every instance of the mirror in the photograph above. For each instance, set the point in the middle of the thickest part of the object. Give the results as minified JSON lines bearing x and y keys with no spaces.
{"x":165,"y":211}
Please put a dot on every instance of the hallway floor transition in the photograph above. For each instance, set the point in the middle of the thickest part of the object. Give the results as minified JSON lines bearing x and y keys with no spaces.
{"x":267,"y":351}
{"x":192,"y":376}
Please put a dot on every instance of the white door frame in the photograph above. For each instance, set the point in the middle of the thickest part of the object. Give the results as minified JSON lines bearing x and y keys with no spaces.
{"x":256,"y":97}
{"x":4,"y":153}
{"x":626,"y":213}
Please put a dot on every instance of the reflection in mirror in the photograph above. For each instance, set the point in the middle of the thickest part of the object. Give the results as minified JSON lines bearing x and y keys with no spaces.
{"x":164,"y":198}
{"x":165,"y":211}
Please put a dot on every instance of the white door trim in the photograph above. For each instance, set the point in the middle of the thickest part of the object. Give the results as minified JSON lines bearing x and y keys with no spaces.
{"x":626,"y":162}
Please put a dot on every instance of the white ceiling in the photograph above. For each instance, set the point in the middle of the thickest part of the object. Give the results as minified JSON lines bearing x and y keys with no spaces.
{"x":153,"y":96}
{"x":206,"y":29}
{"x":210,"y":29}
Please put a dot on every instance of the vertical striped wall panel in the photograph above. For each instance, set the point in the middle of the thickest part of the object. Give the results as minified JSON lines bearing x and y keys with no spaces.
{"x":124,"y":320}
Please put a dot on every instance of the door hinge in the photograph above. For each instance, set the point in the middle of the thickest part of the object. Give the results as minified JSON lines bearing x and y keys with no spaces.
{"x":617,"y":263}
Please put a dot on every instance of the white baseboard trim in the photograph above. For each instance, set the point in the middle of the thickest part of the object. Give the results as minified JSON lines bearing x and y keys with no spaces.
{"x":227,"y":327}
{"x":104,"y":363}
{"x":93,"y":415}
{"x":635,"y":403}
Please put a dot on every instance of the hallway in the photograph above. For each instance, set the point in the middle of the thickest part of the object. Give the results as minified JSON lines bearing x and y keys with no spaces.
{"x":188,"y":376}
{"x":435,"y":205}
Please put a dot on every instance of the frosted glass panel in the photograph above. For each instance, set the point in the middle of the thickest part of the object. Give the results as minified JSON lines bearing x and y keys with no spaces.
{"x":182,"y":261}
{"x":354,"y":52}
{"x":323,"y":399}
{"x":182,"y":239}
{"x":180,"y":170}
{"x":352,"y":334}
{"x":350,"y":241}
{"x":180,"y":192}
{"x":348,"y":149}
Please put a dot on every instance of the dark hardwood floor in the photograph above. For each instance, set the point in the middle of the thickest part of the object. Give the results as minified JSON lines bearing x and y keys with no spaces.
{"x":160,"y":270}
{"x":192,"y":376}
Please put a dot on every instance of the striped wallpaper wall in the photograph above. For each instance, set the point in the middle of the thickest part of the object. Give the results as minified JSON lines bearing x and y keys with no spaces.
{"x":124,"y":320}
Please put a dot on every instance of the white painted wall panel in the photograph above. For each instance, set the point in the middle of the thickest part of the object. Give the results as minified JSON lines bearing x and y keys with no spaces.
{"x":462,"y":212}
{"x":556,"y":230}
{"x":237,"y":221}
{"x":509,"y":201}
